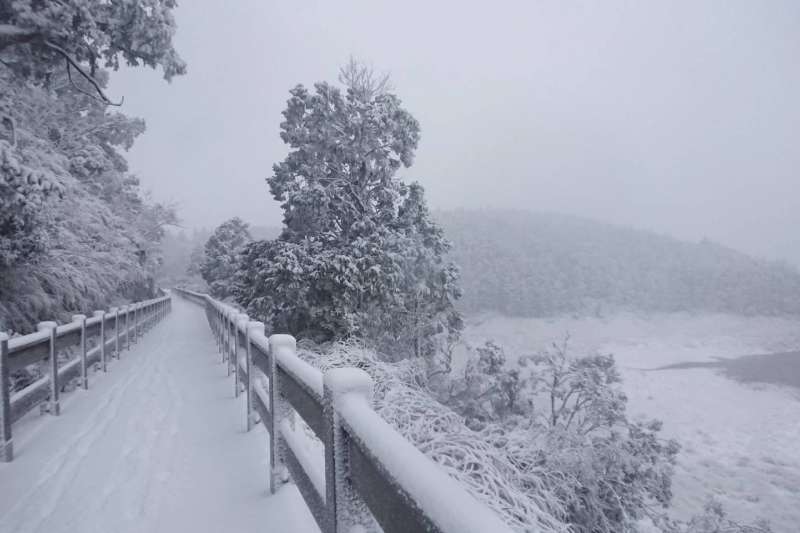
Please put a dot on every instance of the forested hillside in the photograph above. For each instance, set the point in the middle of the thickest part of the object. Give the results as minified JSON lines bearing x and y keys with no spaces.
{"x":539,"y":264}
{"x":76,"y":231}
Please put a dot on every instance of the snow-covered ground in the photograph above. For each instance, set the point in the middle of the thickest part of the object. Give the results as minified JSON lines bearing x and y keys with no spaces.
{"x":740,"y":441}
{"x":157,"y":444}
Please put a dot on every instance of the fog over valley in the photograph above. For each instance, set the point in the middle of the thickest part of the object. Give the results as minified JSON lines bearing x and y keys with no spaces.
{"x":675,"y":117}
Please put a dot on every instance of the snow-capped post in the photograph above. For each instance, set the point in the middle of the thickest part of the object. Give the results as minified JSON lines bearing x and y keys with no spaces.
{"x":241,"y":320}
{"x":220,"y":338}
{"x":137,"y":317}
{"x":235,"y":328}
{"x":217,"y":336}
{"x":252,"y":327}
{"x":234,"y":354}
{"x":81,"y":319}
{"x":127,"y":326}
{"x":132,"y":338}
{"x":229,"y":320}
{"x":55,"y":407}
{"x":280,"y":410}
{"x":229,"y":314}
{"x":102,"y":315}
{"x":343,"y":506}
{"x":6,"y":443}
{"x":115,"y":310}
{"x":226,"y":325}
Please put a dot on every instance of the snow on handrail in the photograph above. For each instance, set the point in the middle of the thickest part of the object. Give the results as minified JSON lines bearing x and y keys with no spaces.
{"x":364,"y":458}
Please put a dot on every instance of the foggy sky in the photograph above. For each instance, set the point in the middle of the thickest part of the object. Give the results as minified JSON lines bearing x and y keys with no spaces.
{"x":681,"y":117}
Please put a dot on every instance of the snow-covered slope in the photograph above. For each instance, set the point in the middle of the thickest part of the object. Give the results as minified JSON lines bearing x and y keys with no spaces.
{"x":158,"y":444}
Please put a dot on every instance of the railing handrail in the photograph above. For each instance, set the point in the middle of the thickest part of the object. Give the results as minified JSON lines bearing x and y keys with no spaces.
{"x":127,"y":322}
{"x":370,"y":471}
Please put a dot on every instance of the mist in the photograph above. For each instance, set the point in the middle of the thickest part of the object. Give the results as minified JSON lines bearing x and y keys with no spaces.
{"x":679,"y":117}
{"x":455,"y":267}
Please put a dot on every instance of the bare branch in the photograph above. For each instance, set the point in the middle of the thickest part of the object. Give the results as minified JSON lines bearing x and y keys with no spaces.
{"x":72,"y":63}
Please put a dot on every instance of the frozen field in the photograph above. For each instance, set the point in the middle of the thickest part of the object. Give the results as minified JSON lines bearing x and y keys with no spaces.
{"x":740,"y":440}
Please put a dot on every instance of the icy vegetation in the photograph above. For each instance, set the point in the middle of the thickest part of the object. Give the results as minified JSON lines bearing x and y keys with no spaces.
{"x":76,"y":233}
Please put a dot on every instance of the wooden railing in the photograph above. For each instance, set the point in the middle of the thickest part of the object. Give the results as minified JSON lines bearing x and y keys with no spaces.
{"x":110,"y":331}
{"x":368,"y":472}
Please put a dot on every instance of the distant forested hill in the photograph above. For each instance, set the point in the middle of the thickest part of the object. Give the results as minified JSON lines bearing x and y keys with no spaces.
{"x":539,"y":264}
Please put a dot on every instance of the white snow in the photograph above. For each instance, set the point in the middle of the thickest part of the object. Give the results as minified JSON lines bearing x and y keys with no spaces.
{"x":156,"y":444}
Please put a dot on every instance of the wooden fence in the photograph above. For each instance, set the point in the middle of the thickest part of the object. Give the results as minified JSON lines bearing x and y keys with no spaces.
{"x":368,"y":472}
{"x":110,"y":331}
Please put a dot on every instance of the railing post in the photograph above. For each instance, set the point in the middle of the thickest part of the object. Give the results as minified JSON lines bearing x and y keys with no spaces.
{"x":116,"y":332}
{"x":280,"y":409}
{"x":127,"y":309}
{"x":218,"y":326}
{"x":115,"y":310}
{"x":226,"y":339}
{"x":230,"y":318}
{"x":6,"y":442}
{"x":84,"y":366}
{"x":343,"y":507}
{"x":135,"y":323}
{"x":242,"y":319}
{"x":252,"y":327}
{"x":102,"y":315}
{"x":132,"y":325}
{"x":55,"y":407}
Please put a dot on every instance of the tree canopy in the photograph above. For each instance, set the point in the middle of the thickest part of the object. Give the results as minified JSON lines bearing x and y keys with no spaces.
{"x":359,"y":253}
{"x":220,"y":259}
{"x":76,"y":231}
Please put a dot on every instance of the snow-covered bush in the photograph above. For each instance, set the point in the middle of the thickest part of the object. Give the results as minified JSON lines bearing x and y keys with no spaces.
{"x":479,"y":460}
{"x":565,"y":426}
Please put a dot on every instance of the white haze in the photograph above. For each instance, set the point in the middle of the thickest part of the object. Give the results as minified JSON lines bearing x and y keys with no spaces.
{"x":681,"y":117}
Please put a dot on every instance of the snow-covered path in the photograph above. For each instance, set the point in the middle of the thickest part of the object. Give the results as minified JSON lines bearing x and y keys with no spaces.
{"x":156,"y":444}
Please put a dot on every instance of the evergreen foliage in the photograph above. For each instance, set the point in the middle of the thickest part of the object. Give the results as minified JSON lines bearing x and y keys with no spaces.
{"x":359,"y":253}
{"x":220,"y":260}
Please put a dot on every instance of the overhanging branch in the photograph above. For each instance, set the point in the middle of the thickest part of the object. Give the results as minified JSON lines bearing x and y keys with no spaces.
{"x":71,"y":63}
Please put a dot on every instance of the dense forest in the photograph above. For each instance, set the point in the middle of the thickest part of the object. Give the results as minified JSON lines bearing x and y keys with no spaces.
{"x":539,"y":264}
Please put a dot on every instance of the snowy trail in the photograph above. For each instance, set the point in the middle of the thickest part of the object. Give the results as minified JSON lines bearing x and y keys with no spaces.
{"x":156,"y":444}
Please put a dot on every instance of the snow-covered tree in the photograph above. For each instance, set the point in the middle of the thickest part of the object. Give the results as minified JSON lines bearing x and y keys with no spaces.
{"x":79,"y":37}
{"x":359,"y":253}
{"x":221,"y":256}
{"x":75,"y":230}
